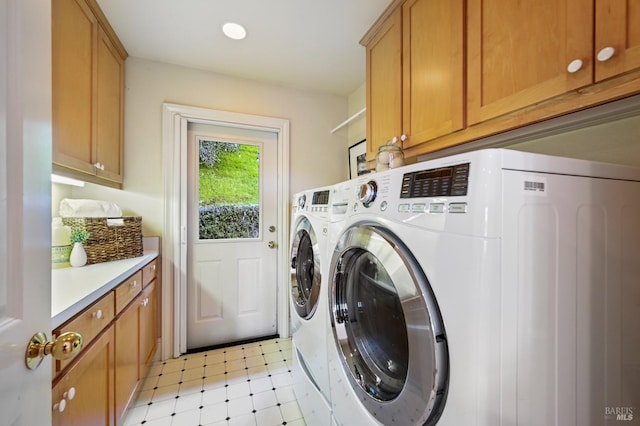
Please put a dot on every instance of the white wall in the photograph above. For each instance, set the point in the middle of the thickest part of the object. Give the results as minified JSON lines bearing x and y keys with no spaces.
{"x":616,"y":142}
{"x":317,"y":158}
{"x":357,"y":128}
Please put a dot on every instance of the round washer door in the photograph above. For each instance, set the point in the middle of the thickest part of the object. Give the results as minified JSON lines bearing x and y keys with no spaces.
{"x":388,"y":328}
{"x":305,"y":269}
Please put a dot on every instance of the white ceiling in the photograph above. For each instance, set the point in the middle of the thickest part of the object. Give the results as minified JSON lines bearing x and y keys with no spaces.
{"x":306,"y":44}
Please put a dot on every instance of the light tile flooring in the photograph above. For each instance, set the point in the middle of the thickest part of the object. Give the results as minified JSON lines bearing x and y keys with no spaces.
{"x":249,"y":384}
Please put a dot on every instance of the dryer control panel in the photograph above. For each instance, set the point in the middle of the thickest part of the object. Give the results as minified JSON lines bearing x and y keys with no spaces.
{"x":441,"y":182}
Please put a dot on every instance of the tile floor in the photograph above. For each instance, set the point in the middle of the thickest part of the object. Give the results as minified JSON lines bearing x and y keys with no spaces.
{"x":248,"y":384}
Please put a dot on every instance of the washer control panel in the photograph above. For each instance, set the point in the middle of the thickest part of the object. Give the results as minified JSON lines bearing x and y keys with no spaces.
{"x":320,"y":201}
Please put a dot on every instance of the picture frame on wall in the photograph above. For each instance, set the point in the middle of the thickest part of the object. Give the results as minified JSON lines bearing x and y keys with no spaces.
{"x":358,"y":159}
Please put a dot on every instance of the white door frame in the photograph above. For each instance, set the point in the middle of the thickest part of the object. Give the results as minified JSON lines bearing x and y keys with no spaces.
{"x":175,"y":119}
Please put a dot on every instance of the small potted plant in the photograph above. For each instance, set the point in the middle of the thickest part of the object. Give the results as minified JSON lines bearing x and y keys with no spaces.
{"x":78,"y":255}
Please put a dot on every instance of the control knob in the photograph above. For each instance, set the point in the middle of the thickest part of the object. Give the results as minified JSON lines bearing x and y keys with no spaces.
{"x":367,"y":193}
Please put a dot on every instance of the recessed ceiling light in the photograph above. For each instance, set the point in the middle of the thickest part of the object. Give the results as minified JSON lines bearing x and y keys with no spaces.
{"x":234,"y":31}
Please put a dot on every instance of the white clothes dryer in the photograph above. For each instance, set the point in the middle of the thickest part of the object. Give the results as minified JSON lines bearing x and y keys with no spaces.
{"x":309,"y":311}
{"x":493,"y":287}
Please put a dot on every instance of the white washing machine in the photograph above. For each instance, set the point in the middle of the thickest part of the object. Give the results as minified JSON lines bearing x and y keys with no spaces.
{"x":493,"y":287}
{"x":309,"y":311}
{"x":341,"y":195}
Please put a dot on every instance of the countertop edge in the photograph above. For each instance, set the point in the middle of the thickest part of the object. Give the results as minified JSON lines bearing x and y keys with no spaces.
{"x":98,"y":292}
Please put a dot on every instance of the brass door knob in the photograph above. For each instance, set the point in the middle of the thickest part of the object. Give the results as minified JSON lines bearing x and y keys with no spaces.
{"x":64,"y":347}
{"x":271,"y":244}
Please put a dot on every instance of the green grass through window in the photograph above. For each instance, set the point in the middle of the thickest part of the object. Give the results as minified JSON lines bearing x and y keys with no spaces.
{"x":233,"y":180}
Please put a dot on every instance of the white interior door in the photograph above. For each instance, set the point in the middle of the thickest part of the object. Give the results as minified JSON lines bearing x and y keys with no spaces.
{"x":25,"y":207}
{"x":231,"y":272}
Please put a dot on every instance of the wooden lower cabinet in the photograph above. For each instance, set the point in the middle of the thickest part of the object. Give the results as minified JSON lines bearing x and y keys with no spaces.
{"x":135,"y":337}
{"x":99,"y":384}
{"x":83,"y":395}
{"x":148,"y":327}
{"x":127,"y":336}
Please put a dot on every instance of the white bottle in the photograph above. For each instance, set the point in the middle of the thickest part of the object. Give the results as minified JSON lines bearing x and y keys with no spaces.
{"x":60,"y":244}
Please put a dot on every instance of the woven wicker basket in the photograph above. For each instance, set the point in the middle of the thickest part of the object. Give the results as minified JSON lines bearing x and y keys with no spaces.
{"x":109,"y":242}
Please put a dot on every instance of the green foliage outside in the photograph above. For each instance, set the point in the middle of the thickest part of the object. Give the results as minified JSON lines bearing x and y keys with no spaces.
{"x":234,"y":177}
{"x":229,"y":190}
{"x":220,"y":222}
{"x":211,"y":151}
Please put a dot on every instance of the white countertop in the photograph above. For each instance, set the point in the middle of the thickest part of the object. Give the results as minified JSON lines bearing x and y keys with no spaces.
{"x":73,"y":289}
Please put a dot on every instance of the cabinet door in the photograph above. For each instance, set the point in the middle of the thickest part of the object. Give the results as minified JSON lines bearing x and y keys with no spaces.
{"x":127,"y":338}
{"x":110,"y":107}
{"x":432,"y":67}
{"x":87,"y":387}
{"x":384,"y":85}
{"x":73,"y":62}
{"x":148,"y":327}
{"x":519,"y":51}
{"x":617,"y":26}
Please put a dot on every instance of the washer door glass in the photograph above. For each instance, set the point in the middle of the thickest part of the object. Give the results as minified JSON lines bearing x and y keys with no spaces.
{"x":369,"y":308}
{"x":388,"y":328}
{"x":305,"y":269}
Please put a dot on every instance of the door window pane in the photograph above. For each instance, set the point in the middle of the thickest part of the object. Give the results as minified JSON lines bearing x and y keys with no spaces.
{"x":229,"y":190}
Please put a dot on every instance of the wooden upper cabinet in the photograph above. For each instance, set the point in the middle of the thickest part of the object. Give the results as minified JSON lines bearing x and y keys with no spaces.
{"x":432,"y":64}
{"x":415,"y":73}
{"x":110,"y":109}
{"x":475,"y":68}
{"x":88,"y":93}
{"x":519,"y":53}
{"x":74,"y":30}
{"x":617,"y":26}
{"x":384,"y":84}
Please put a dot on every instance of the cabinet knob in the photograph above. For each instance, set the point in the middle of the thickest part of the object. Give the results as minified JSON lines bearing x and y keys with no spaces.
{"x":60,"y":406}
{"x":153,"y":267}
{"x":70,"y":394}
{"x":97,"y":314}
{"x":575,"y":66}
{"x":606,"y":53}
{"x":99,"y":166}
{"x":133,"y":283}
{"x":403,"y":137}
